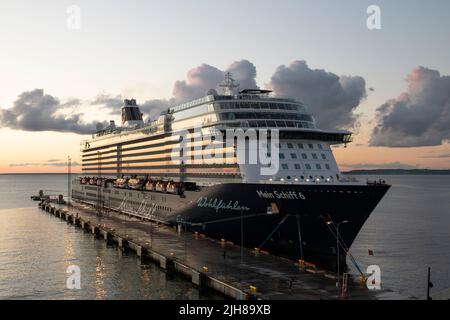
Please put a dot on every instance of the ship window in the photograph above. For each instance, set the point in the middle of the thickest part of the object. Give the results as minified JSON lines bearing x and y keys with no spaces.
{"x":310,"y":145}
{"x":262,"y":124}
{"x":314,"y":156}
{"x":231,"y":116}
{"x":320,"y":146}
{"x":318,"y":167}
{"x":300,"y":145}
{"x":288,"y":177}
{"x":290,"y":146}
{"x":327,"y":166}
{"x":293,"y":156}
{"x":290,"y":124}
{"x":302,"y":177}
{"x":324,"y":157}
{"x":285,"y":166}
{"x":304,"y":156}
{"x":282,"y":156}
{"x":308,"y":166}
{"x":297,"y":166}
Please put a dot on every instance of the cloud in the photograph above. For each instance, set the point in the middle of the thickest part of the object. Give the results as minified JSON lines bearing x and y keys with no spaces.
{"x":108,"y":101}
{"x":36,"y":111}
{"x":418,"y":117}
{"x":390,"y":165}
{"x":204,"y":77}
{"x":150,"y":108}
{"x":48,"y":163}
{"x":331,"y":98}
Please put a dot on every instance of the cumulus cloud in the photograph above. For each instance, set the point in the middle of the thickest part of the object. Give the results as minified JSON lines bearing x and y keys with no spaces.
{"x":36,"y":111}
{"x":150,"y":108}
{"x":108,"y":101}
{"x":389,"y":165}
{"x":418,"y":117}
{"x":331,"y":98}
{"x":204,"y":77}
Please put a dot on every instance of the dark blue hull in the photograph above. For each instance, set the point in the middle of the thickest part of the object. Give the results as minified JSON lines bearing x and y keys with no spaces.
{"x":275,"y":217}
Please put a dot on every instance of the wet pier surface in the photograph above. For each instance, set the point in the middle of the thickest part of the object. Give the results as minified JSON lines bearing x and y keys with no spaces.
{"x":207,"y":262}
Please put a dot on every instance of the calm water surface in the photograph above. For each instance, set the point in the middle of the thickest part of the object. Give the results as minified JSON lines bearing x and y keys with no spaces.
{"x":36,"y":249}
{"x":409,"y":231}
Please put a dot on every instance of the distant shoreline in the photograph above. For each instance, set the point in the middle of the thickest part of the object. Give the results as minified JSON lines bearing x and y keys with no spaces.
{"x":38,"y":174}
{"x":354,"y":172}
{"x":423,"y":172}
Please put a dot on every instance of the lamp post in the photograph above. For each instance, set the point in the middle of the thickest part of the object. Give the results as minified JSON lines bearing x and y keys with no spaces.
{"x":337,"y":253}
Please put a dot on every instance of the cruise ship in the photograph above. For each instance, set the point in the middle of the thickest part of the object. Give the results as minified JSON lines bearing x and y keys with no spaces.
{"x":181,"y":170}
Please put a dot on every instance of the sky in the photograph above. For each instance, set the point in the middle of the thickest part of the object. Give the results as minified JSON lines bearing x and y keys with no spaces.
{"x":390,"y":86}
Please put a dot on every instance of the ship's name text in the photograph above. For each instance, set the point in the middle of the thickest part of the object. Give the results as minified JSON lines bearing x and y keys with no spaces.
{"x":275,"y":194}
{"x":219,"y":204}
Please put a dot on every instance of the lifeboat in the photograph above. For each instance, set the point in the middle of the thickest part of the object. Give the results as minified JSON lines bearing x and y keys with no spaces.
{"x":150,"y":186}
{"x":83,"y":180}
{"x":173,"y":187}
{"x":161,"y":186}
{"x":120,"y":183}
{"x":136,"y":184}
{"x":99,"y":182}
{"x":93,"y":181}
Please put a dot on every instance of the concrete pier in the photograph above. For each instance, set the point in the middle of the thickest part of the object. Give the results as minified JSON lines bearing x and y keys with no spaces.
{"x":203,"y":262}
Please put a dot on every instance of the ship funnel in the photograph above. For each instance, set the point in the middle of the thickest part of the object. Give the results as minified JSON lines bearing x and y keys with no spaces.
{"x":131,"y":114}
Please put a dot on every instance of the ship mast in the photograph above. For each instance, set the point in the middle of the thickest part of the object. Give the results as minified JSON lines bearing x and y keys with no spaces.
{"x":228,"y":85}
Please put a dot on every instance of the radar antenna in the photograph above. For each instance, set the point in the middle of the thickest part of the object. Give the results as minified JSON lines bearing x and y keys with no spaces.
{"x":229,"y":86}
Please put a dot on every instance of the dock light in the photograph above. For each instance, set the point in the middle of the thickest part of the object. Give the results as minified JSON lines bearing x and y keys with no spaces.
{"x":205,"y":269}
{"x":337,"y":254}
{"x":307,"y":180}
{"x":296,"y":179}
{"x":282,"y":179}
{"x":270,"y":179}
{"x":317,"y":179}
{"x":328,"y":180}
